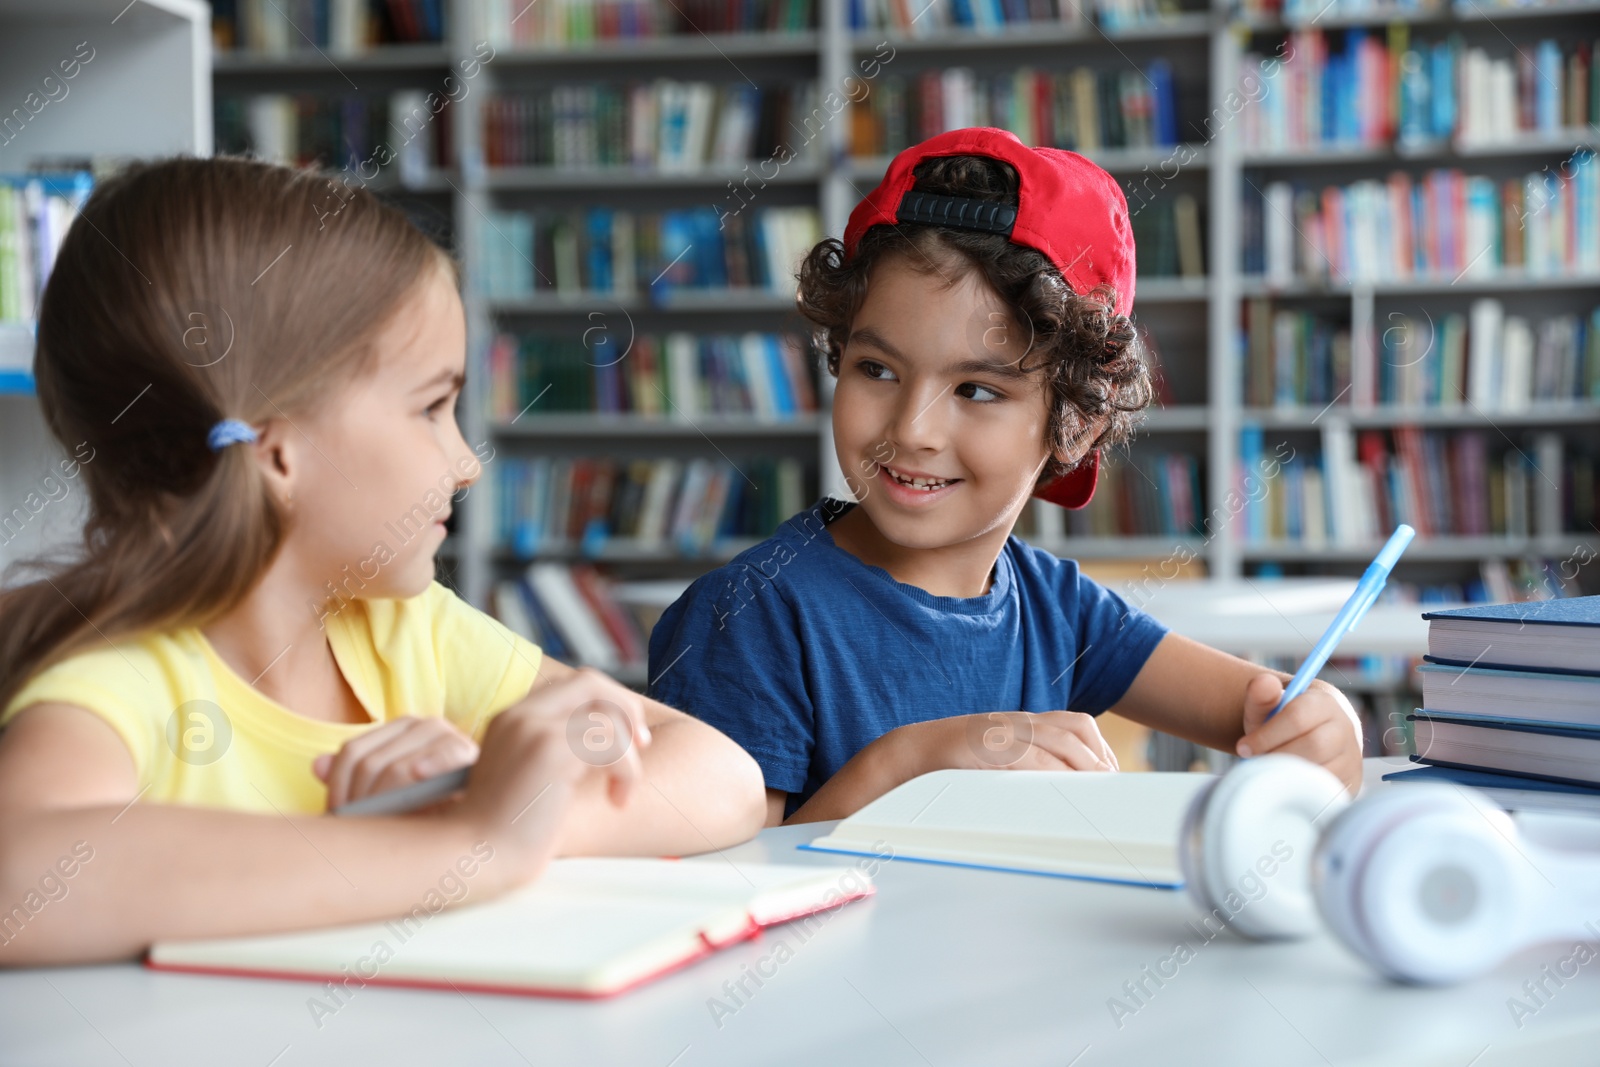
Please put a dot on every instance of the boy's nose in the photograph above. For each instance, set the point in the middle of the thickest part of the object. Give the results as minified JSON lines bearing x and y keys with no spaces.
{"x":918,"y":420}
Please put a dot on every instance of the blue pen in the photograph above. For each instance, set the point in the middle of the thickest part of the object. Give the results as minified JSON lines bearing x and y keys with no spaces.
{"x":1367,"y":590}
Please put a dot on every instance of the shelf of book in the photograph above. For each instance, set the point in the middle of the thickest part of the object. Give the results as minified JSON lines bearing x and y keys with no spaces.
{"x":1436,"y":285}
{"x":1190,"y":26}
{"x":1563,"y":142}
{"x":687,"y":48}
{"x":585,"y":426}
{"x":631,"y":178}
{"x":299,"y":62}
{"x":1545,"y":414}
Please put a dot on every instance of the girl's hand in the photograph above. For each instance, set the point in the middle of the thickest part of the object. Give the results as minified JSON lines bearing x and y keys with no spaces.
{"x":1318,"y":725}
{"x":1010,"y":740}
{"x":535,"y":753}
{"x":395,"y":754}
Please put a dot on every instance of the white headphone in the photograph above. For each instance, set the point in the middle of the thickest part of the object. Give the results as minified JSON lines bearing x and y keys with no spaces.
{"x":1247,"y":841}
{"x":1428,"y":883}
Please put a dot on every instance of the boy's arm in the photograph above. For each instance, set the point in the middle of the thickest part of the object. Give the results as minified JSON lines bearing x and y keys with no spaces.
{"x":701,"y":791}
{"x":1215,"y":699}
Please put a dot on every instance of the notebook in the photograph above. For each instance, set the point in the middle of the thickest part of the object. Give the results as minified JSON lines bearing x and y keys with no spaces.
{"x":1509,"y":791}
{"x":1507,"y":746}
{"x":1545,"y":635}
{"x":1106,"y":826}
{"x":585,"y":928}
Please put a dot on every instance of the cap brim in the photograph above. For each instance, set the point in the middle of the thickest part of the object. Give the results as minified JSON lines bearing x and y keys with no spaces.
{"x":1074,"y":488}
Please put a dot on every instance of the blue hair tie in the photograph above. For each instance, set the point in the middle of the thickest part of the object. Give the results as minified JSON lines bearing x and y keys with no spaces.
{"x":230,"y":432}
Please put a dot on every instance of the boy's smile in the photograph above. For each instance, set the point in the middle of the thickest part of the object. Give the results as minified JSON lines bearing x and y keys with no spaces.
{"x":940,"y":435}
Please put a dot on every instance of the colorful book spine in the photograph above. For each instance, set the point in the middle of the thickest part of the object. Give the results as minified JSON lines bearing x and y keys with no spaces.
{"x":1159,"y":495}
{"x":676,"y":377}
{"x":518,"y":24}
{"x":35,"y":213}
{"x":360,"y":134}
{"x":549,"y":504}
{"x":1443,"y":224}
{"x":279,"y":27}
{"x":621,"y":253}
{"x":1080,"y":109}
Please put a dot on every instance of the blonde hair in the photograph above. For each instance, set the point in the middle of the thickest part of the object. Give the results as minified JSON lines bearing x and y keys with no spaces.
{"x":189,"y":291}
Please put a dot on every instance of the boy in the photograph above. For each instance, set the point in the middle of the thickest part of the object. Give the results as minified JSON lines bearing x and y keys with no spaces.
{"x":975,"y":317}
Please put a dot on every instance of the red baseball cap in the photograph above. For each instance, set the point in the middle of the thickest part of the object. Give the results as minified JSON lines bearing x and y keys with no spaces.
{"x":1068,"y":208}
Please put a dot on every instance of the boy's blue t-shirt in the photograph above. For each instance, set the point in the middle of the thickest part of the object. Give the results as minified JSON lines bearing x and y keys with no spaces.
{"x":804,"y":655}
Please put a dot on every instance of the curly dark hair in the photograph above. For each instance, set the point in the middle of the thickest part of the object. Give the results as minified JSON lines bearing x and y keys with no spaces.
{"x":1093,"y":359}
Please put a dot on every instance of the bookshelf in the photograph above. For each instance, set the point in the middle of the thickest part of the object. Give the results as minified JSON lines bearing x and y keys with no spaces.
{"x":139,"y":85}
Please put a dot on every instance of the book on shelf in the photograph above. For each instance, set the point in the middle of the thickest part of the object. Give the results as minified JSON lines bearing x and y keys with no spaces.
{"x":350,"y":132}
{"x":35,"y":212}
{"x":1143,"y":496}
{"x":684,"y":506}
{"x":1305,"y":11}
{"x":342,"y":27}
{"x":1374,"y":88}
{"x":1445,"y":224}
{"x":1443,"y":483}
{"x":925,"y":18}
{"x":1080,"y":109}
{"x":675,"y":377}
{"x":621,"y":253}
{"x":1169,"y":242}
{"x":1482,"y":360}
{"x":518,"y":24}
{"x":675,"y":127}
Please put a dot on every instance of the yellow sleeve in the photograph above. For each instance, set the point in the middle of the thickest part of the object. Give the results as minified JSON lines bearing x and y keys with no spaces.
{"x":486,"y":667}
{"x":125,"y":685}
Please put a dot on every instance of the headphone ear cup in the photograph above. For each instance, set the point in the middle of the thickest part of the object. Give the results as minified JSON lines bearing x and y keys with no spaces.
{"x":1191,"y":857}
{"x":1254,"y":839}
{"x":1418,"y":881}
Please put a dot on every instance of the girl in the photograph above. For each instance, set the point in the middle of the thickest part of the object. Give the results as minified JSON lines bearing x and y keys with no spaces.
{"x":976,"y":318}
{"x":257,"y":370}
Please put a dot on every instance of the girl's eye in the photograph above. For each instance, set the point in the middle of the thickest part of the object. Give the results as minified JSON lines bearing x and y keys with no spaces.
{"x":435,"y":407}
{"x":971,"y":391}
{"x":875,"y":370}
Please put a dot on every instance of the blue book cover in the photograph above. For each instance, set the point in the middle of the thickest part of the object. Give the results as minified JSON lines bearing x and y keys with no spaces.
{"x":1486,"y":780}
{"x":1166,"y":104}
{"x":782,"y":389}
{"x":1567,"y":611}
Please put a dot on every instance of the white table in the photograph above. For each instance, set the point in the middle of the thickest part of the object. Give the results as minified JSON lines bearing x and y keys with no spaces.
{"x":946,"y":966}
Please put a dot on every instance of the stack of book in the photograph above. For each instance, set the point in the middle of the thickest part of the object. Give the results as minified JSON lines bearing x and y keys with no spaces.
{"x":1363,"y":88}
{"x":277,"y":27}
{"x":676,"y":377}
{"x":622,"y":253}
{"x":1081,"y":109}
{"x":1440,"y":482}
{"x":1448,"y":225}
{"x":519,"y":24}
{"x":672,"y":126}
{"x":1513,"y":690}
{"x":590,"y":506}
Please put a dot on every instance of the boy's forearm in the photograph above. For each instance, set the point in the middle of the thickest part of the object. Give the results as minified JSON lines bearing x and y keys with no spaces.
{"x":701,"y":791}
{"x":155,"y":872}
{"x":870,"y":773}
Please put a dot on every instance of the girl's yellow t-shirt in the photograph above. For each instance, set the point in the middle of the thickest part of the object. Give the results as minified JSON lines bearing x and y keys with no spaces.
{"x":201,"y":735}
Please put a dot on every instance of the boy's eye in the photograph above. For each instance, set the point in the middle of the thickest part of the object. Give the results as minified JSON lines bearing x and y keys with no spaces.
{"x":981,"y":393}
{"x":875,"y":370}
{"x":437,"y":406}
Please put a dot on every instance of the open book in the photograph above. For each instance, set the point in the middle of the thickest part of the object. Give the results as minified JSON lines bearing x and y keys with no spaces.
{"x":1108,"y":826}
{"x":586,"y":928}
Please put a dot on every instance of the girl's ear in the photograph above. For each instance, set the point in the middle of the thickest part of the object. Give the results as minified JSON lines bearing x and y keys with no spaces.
{"x":277,"y":454}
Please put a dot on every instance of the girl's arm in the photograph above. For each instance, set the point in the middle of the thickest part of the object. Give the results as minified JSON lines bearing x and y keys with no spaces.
{"x":144,"y":872}
{"x":1218,"y":700}
{"x":701,"y":791}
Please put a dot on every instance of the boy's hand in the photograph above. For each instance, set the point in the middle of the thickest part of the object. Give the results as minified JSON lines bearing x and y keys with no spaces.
{"x":1009,"y":740}
{"x":1318,"y":725}
{"x":399,"y":752}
